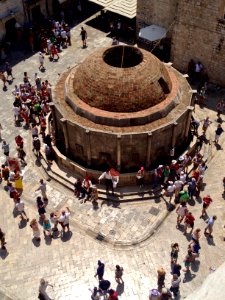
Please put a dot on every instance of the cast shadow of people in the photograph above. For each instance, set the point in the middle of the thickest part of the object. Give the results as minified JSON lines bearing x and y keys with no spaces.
{"x":210,"y":241}
{"x":188,"y":276}
{"x":195,"y":266}
{"x":120,"y":288}
{"x":4,"y":253}
{"x":22,"y":223}
{"x":36,"y":242}
{"x":66,"y":236}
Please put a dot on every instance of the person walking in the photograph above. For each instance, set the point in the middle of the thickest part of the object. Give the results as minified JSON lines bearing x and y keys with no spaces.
{"x":42,"y":188}
{"x":100,"y":270}
{"x":218,"y":133}
{"x":37,"y":146}
{"x":5,"y":148}
{"x":36,"y":231}
{"x":189,"y":222}
{"x":20,"y":206}
{"x":209,"y":228}
{"x":41,"y":61}
{"x":181,"y":212}
{"x":83,"y":35}
{"x":8,"y":70}
{"x":2,"y":240}
{"x":161,"y":278}
{"x":207,"y":200}
{"x":119,"y":274}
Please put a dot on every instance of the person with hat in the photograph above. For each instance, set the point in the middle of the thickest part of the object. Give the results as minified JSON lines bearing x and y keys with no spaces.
{"x":140,"y":177}
{"x":154,"y":294}
{"x":207,"y":200}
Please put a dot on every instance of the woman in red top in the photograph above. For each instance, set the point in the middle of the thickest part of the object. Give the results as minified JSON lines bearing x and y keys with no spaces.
{"x":189,"y":222}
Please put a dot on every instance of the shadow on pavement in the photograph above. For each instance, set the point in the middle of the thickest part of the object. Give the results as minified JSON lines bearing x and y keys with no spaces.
{"x":4,"y":253}
{"x":36,"y":243}
{"x":120,"y":288}
{"x":188,"y":276}
{"x":66,"y":236}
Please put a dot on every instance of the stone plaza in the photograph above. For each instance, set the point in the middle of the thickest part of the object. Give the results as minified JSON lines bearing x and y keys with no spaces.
{"x":138,"y":235}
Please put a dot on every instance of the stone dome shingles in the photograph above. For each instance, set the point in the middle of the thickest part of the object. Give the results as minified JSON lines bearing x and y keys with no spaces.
{"x":121,"y":89}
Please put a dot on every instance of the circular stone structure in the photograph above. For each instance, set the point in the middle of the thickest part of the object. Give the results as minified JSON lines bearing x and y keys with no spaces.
{"x":121,"y":107}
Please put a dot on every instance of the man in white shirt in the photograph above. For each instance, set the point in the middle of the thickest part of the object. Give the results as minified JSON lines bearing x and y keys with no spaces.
{"x":64,"y":220}
{"x":209,"y":228}
{"x":183,"y":177}
{"x":20,"y":208}
{"x":108,"y":180}
{"x":42,"y":188}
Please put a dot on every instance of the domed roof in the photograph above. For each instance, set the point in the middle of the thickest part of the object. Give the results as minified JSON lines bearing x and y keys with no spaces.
{"x":122,"y":79}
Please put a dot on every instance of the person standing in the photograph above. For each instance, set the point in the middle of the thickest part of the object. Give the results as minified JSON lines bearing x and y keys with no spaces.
{"x":42,"y":290}
{"x":207,"y":200}
{"x":209,"y":228}
{"x":42,"y":188}
{"x":20,"y":208}
{"x":8,"y":69}
{"x":161,"y":278}
{"x":119,"y":274}
{"x":83,"y":35}
{"x":3,"y":78}
{"x":174,"y":253}
{"x":2,"y":239}
{"x":36,"y":230}
{"x":41,"y":61}
{"x":100,"y":270}
{"x":175,"y":285}
{"x":5,"y":148}
{"x":218,"y":133}
{"x":64,"y":220}
{"x":108,"y":180}
{"x":140,"y":177}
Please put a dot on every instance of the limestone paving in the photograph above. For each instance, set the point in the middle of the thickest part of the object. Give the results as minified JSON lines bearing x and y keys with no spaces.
{"x":69,"y":263}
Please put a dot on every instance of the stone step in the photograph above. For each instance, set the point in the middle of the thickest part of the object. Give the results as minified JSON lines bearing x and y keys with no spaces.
{"x":128,"y":194}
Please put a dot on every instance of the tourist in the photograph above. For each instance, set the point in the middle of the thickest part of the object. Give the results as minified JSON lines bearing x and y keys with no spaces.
{"x":100,"y":270}
{"x":18,"y":182}
{"x":197,"y":160}
{"x":192,"y":188}
{"x":175,"y":285}
{"x":94,"y":196}
{"x":64,"y":220}
{"x":95,"y":294}
{"x":41,"y":208}
{"x":83,"y":35}
{"x":47,"y":227}
{"x":183,"y":196}
{"x":174,"y":253}
{"x":77,"y":187}
{"x":20,"y":207}
{"x":86,"y":188}
{"x":104,"y":285}
{"x":154,"y":294}
{"x":183,"y":177}
{"x":223,"y":185}
{"x":209,"y":228}
{"x":165,"y":294}
{"x":113,"y":295}
{"x":5,"y":147}
{"x":21,"y":155}
{"x":2,"y":240}
{"x":140,"y":177}
{"x":202,"y":168}
{"x":161,"y":278}
{"x":207,"y":200}
{"x":49,"y":155}
{"x":169,"y":192}
{"x":219,"y":108}
{"x":119,"y":274}
{"x":218,"y":133}
{"x":5,"y":172}
{"x":158,"y":173}
{"x":108,"y":180}
{"x":178,"y":186}
{"x":3,"y":78}
{"x":189,"y":222}
{"x":181,"y":212}
{"x":176,"y":268}
{"x":37,"y":146}
{"x":187,"y":261}
{"x":54,"y":221}
{"x":8,"y":69}
{"x":166,"y":174}
{"x":206,"y":123}
{"x":42,"y":188}
{"x":41,"y":61}
{"x":19,"y":141}
{"x":36,"y":230}
{"x":42,"y":290}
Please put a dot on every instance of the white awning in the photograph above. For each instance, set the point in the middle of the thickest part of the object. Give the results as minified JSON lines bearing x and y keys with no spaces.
{"x":103,"y":3}
{"x":126,"y":8}
{"x":152,"y":33}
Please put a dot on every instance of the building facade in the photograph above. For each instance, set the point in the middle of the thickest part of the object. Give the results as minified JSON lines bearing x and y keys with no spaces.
{"x":196,"y":29}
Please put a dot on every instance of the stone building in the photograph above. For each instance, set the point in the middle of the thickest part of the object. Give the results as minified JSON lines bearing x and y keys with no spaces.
{"x":196,"y":29}
{"x":121,"y":107}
